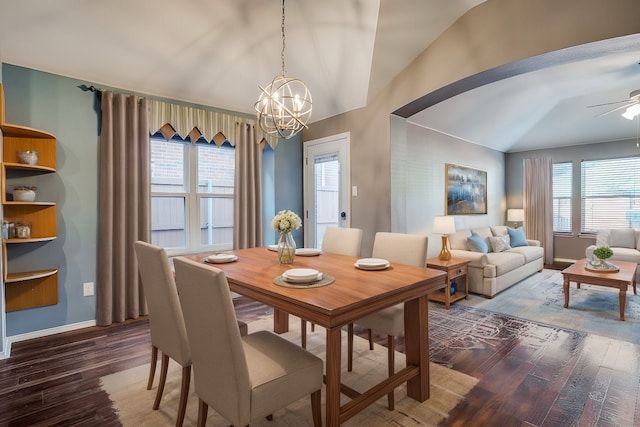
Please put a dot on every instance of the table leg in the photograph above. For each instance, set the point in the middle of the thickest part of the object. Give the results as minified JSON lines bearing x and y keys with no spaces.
{"x":416,"y":328}
{"x":623,"y":299}
{"x":565,"y":287}
{"x":280,"y":321}
{"x":447,"y":295}
{"x":332,"y":377}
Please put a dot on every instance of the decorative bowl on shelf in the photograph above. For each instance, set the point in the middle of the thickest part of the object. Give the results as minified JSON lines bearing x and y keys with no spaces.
{"x":23,"y":231}
{"x":24,"y":194}
{"x":29,"y":157}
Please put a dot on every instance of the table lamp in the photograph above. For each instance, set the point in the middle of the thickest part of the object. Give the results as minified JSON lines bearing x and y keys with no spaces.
{"x":515,"y":215}
{"x":444,"y":225}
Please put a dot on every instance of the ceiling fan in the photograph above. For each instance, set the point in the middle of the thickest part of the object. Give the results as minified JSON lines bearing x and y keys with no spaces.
{"x":634,"y":99}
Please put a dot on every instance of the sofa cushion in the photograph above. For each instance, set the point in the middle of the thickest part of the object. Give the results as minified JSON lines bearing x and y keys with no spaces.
{"x":485,"y":233}
{"x":498,"y":230}
{"x":603,"y":238}
{"x":499,"y":243}
{"x":625,"y":254}
{"x":477,"y":244}
{"x":622,"y":238}
{"x":517,"y":237}
{"x":504,"y":262}
{"x":458,"y":240}
{"x":530,"y":253}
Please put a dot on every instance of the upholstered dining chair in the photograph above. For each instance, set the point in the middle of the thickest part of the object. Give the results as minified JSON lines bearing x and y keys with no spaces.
{"x":336,"y":240}
{"x":241,"y":378}
{"x":168,"y":333}
{"x":398,"y":248}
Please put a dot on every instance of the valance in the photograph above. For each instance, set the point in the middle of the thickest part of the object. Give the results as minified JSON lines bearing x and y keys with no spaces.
{"x":214,"y":126}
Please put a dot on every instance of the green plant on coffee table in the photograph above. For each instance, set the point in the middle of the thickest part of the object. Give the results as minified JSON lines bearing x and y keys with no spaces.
{"x":603,"y":252}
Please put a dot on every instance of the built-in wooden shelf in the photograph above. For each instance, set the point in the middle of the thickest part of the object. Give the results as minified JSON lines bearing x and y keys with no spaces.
{"x":31,"y":289}
{"x":27,"y":289}
{"x":29,"y":275}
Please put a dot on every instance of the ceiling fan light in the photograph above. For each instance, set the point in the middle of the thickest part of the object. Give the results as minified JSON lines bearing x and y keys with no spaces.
{"x":631,"y":112}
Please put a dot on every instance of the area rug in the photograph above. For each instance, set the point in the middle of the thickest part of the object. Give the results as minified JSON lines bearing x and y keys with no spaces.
{"x":127,"y":390}
{"x":592,"y":309}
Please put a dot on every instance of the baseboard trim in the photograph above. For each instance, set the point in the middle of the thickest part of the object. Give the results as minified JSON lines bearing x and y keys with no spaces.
{"x":42,"y":333}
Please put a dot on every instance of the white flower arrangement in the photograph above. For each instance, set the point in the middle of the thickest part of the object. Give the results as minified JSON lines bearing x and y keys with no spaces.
{"x":286,"y":221}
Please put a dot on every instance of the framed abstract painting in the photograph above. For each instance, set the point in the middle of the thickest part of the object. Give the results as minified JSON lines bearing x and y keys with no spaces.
{"x":466,"y":190}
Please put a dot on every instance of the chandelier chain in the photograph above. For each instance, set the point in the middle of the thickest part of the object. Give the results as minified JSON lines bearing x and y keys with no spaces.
{"x":284,"y":72}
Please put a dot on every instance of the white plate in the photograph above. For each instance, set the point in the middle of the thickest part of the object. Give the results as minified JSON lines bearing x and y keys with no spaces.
{"x":220,"y":258}
{"x":301,"y":275}
{"x":273,"y":248}
{"x":372,"y":264}
{"x":308,"y":251}
{"x":303,"y":280}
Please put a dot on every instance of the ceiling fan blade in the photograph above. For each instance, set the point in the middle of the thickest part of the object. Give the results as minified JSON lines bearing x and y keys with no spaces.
{"x":607,"y":103}
{"x":628,"y":104}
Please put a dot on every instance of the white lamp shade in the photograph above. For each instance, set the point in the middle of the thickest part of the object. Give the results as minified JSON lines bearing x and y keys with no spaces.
{"x":444,"y":225}
{"x":515,"y":215}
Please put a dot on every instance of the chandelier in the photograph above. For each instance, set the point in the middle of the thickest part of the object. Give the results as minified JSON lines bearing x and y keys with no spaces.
{"x":284,"y":106}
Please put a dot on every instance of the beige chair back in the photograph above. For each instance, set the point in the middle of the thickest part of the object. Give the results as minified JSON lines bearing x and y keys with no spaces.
{"x":343,"y":241}
{"x":410,"y":249}
{"x":166,"y":322}
{"x":219,"y":362}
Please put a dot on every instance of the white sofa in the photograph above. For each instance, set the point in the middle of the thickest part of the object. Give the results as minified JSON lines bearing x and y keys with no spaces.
{"x":492,"y":272}
{"x":624,"y":242}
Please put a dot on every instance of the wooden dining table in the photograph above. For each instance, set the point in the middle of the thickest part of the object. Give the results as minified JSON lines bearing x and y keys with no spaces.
{"x":353,"y":294}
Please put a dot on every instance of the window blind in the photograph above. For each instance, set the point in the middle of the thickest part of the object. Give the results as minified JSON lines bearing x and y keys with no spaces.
{"x":610,"y":193}
{"x":562,"y":192}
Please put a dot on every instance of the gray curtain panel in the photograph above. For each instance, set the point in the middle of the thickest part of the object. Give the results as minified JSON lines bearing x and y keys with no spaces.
{"x":538,"y":203}
{"x":124,"y":206}
{"x":247,"y":230}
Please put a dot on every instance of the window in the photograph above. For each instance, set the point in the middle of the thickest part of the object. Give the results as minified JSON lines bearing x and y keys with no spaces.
{"x":192,"y":195}
{"x":610,"y":193}
{"x":562,"y":190}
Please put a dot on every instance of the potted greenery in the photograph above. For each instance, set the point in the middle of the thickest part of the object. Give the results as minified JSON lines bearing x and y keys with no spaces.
{"x":602,"y":253}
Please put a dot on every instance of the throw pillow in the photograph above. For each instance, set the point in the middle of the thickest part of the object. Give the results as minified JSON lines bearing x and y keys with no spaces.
{"x":500,"y":243}
{"x":477,"y":244}
{"x":517,"y":237}
{"x":622,"y":238}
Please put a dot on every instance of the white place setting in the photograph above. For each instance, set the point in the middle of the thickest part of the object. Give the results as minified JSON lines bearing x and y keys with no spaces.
{"x":372,"y":264}
{"x":220,"y":258}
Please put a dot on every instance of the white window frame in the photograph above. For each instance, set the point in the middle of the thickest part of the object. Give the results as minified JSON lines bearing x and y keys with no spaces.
{"x":192,"y":200}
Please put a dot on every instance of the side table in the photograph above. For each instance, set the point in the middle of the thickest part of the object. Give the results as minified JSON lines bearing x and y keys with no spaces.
{"x":456,"y":268}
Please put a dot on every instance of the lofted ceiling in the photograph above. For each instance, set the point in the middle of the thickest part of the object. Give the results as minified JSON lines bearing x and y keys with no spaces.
{"x":217,"y":52}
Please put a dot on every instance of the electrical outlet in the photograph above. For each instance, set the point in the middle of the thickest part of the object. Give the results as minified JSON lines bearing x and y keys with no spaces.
{"x":88,"y":289}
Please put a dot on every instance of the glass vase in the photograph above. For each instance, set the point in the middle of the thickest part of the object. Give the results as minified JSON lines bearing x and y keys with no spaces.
{"x":286,"y":248}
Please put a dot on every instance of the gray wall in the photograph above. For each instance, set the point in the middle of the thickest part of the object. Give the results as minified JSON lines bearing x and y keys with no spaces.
{"x":55,"y":104}
{"x":569,"y":246}
{"x":492,"y":34}
{"x":418,"y":181}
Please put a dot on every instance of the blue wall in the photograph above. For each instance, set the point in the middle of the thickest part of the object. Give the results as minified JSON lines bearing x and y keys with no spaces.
{"x":57,"y":105}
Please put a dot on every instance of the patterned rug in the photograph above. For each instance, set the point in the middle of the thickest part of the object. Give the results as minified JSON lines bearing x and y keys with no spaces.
{"x":592,"y":309}
{"x":127,"y":390}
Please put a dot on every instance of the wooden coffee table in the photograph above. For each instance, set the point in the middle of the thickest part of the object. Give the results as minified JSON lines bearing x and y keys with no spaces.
{"x":620,"y":279}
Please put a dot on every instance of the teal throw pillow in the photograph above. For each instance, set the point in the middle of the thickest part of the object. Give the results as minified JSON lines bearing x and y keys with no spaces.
{"x":517,"y":237}
{"x":477,"y":243}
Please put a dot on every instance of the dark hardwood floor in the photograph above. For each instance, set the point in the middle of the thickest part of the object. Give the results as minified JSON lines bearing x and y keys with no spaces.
{"x":528,"y":374}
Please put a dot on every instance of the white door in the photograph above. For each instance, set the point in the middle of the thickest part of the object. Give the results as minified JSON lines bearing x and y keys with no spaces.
{"x":326,"y":187}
